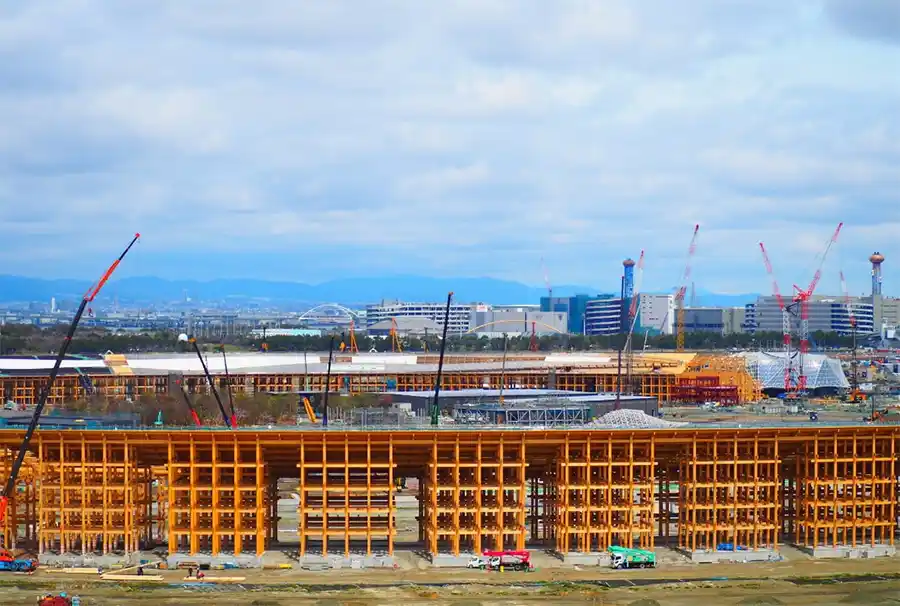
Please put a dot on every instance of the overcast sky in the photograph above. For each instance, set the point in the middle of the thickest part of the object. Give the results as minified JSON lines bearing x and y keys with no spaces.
{"x":305,"y":140}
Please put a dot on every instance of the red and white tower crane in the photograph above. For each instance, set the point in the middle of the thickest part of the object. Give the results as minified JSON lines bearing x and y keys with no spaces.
{"x":785,"y":322}
{"x":798,"y":306}
{"x":801,"y":298}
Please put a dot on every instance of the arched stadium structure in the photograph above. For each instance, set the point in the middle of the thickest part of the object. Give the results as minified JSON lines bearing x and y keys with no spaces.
{"x":822,"y":373}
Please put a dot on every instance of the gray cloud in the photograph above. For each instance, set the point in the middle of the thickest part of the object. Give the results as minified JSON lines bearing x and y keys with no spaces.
{"x":474,"y":137}
{"x":875,"y":19}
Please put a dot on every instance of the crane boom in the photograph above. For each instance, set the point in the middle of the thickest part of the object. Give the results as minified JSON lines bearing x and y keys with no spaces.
{"x":436,"y":406}
{"x":89,"y":296}
{"x":211,"y":383}
{"x":801,"y":299}
{"x":682,"y":290}
{"x":228,"y":387}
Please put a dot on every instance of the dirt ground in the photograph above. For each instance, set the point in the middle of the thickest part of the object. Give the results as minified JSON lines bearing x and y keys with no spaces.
{"x":819,"y":582}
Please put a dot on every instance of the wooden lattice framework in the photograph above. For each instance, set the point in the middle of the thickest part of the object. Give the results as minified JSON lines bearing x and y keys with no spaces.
{"x":216,"y":491}
{"x":729,"y":493}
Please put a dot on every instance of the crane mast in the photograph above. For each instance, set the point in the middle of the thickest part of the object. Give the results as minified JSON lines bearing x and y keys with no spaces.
{"x":88,"y":297}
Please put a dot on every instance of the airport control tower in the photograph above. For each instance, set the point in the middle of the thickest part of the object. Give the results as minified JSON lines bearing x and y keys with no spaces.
{"x":876,"y":259}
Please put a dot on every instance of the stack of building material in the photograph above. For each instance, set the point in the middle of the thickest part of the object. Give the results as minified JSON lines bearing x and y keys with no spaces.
{"x":633,"y":419}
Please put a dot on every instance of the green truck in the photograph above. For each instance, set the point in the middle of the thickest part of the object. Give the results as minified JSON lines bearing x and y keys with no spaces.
{"x":622,"y":557}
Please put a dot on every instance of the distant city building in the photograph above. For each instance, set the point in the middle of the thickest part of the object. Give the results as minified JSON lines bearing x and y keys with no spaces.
{"x":826,"y":314}
{"x":603,"y":316}
{"x":498,"y":321}
{"x":719,"y":320}
{"x":459,"y":319}
{"x":285,"y":332}
{"x":406,"y":327}
{"x":574,"y":308}
{"x":656,"y":313}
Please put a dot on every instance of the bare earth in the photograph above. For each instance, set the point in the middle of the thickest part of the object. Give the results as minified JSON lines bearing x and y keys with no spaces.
{"x":738,"y":584}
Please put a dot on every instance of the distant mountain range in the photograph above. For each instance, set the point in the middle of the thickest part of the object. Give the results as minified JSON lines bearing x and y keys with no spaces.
{"x":348,"y":291}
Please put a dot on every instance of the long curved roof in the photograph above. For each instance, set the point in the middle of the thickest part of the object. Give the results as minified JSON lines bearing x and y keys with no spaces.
{"x":820,"y":370}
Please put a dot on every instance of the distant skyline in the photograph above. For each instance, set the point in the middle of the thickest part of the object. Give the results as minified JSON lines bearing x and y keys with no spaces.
{"x":312,"y":141}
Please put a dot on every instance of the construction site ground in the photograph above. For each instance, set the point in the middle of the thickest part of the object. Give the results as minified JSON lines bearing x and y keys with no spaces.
{"x":796,"y":580}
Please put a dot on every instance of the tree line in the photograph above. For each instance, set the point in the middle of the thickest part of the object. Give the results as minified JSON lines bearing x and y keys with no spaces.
{"x":26,"y":339}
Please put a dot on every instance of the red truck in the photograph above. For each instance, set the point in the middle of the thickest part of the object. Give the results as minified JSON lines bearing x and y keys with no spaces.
{"x":515,"y":560}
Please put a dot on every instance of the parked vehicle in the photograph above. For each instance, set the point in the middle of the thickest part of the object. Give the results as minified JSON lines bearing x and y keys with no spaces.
{"x":623,"y":557}
{"x":516,"y":560}
{"x":18,"y":565}
{"x":477,"y":562}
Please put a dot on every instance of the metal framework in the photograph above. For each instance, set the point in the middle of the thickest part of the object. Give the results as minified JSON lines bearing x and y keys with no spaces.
{"x":216,"y":490}
{"x":543,"y":414}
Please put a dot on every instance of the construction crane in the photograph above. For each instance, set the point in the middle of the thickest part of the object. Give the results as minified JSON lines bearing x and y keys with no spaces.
{"x":533,"y":343}
{"x":229,"y":421}
{"x":88,"y":297}
{"x":354,"y":348}
{"x":785,"y":322}
{"x":228,"y":387}
{"x":632,"y":322}
{"x":682,"y":291}
{"x":310,"y":413}
{"x":435,"y":408}
{"x":801,"y":299}
{"x":190,"y":405}
{"x":799,"y":306}
{"x":396,"y":347}
{"x":855,"y":394}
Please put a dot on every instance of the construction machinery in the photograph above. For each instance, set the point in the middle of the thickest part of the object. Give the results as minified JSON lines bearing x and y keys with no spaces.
{"x":795,"y":373}
{"x":801,"y":300}
{"x":623,"y":557}
{"x":9,"y":563}
{"x":436,"y":408}
{"x":354,"y":347}
{"x":88,"y":297}
{"x":310,"y":413}
{"x":396,"y":347}
{"x":504,"y":560}
{"x":229,"y":421}
{"x":58,"y":600}
{"x":632,"y":322}
{"x":682,"y":290}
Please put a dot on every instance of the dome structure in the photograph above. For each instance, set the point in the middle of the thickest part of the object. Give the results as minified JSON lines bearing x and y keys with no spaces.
{"x":821,"y":371}
{"x":876,"y":258}
{"x":628,"y":262}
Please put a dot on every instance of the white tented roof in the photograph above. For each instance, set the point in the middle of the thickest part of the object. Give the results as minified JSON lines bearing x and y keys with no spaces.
{"x":820,"y":370}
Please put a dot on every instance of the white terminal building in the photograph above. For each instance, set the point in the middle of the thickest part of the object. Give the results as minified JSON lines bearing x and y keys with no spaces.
{"x":477,"y":318}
